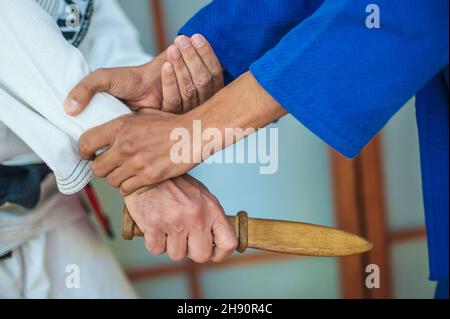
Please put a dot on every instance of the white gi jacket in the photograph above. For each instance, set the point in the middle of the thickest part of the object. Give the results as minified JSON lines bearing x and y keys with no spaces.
{"x":38,"y":68}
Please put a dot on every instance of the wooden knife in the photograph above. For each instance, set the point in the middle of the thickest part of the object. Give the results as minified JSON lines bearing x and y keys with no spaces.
{"x":280,"y":236}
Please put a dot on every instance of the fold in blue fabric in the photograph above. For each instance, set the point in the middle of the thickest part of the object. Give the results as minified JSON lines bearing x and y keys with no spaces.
{"x":343,"y":80}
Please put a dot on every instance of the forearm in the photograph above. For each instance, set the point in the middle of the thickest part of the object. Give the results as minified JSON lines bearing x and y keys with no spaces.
{"x":244,"y":104}
{"x":341,"y":80}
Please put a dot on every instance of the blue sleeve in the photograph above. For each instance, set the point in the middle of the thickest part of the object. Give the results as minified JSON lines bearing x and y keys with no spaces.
{"x":343,"y":80}
{"x":241,"y":31}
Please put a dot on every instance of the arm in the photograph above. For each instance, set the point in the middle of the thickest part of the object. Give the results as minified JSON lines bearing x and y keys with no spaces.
{"x":341,"y":80}
{"x":344,"y":81}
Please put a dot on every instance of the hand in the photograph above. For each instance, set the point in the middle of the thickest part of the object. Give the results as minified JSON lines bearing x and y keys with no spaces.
{"x":178,"y":80}
{"x":181,"y":217}
{"x":138,"y":151}
{"x":192,"y":74}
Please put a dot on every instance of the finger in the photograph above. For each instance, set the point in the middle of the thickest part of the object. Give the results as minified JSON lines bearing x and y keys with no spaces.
{"x":200,"y":246}
{"x":105,"y":163}
{"x":96,"y":138}
{"x":171,"y":95}
{"x":225,"y":241}
{"x":186,"y":86}
{"x":210,"y":60}
{"x":100,"y":80}
{"x":155,"y":241}
{"x":176,"y":245}
{"x":132,"y":184}
{"x":199,"y":72}
{"x":120,"y":174}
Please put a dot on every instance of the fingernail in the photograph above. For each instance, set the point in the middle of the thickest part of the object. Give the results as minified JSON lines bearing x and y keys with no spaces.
{"x":183,"y":42}
{"x":167,"y":68}
{"x":174,"y":53}
{"x":198,"y":40}
{"x":71,"y":106}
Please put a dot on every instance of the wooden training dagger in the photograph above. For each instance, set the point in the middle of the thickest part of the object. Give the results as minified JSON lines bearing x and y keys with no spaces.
{"x":280,"y":236}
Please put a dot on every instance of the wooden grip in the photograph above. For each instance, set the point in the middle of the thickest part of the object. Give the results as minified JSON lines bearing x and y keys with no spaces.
{"x":239,"y":223}
{"x":279,"y":236}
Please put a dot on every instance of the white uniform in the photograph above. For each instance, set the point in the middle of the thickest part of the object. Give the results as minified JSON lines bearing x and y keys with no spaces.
{"x":38,"y":67}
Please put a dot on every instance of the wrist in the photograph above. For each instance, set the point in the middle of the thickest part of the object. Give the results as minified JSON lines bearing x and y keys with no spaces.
{"x":243,"y":105}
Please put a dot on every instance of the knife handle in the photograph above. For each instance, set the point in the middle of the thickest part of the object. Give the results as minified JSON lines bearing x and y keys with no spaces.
{"x":239,"y":223}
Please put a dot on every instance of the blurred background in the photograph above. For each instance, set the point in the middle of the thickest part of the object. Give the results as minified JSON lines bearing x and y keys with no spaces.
{"x":377,"y":195}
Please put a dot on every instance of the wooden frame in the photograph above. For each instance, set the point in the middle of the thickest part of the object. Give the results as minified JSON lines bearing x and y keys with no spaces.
{"x":360,"y":208}
{"x":159,"y":23}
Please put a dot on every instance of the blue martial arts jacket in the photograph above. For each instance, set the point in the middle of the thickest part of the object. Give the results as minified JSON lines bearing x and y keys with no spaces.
{"x":344,"y":81}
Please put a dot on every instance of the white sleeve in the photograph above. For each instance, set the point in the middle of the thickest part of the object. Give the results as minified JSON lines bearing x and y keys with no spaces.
{"x":38,"y":68}
{"x":112,"y":40}
{"x":53,"y":146}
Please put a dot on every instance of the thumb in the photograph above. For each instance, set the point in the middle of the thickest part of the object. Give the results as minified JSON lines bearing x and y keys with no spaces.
{"x":81,"y":95}
{"x":225,"y":240}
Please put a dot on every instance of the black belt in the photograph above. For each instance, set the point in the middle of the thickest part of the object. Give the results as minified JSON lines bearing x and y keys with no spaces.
{"x":6,"y":255}
{"x":21,"y":185}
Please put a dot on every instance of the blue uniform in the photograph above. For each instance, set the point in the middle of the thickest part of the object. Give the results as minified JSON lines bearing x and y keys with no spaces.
{"x":344,"y":81}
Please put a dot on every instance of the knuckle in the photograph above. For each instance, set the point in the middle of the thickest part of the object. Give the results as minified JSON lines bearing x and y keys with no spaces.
{"x":189,"y":90}
{"x":203,"y":80}
{"x":196,"y":215}
{"x":176,"y":256}
{"x":96,"y":170}
{"x":126,"y":147}
{"x":99,"y":73}
{"x":174,"y":100}
{"x":216,"y":72}
{"x":177,"y":223}
{"x":84,"y":87}
{"x":125,"y":189}
{"x":231,"y":244}
{"x":153,"y":245}
{"x":111,"y":180}
{"x":214,"y":205}
{"x":202,"y":258}
{"x":151,"y":177}
{"x":84,"y":146}
{"x":155,"y":250}
{"x":139,"y":162}
{"x":213,"y":200}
